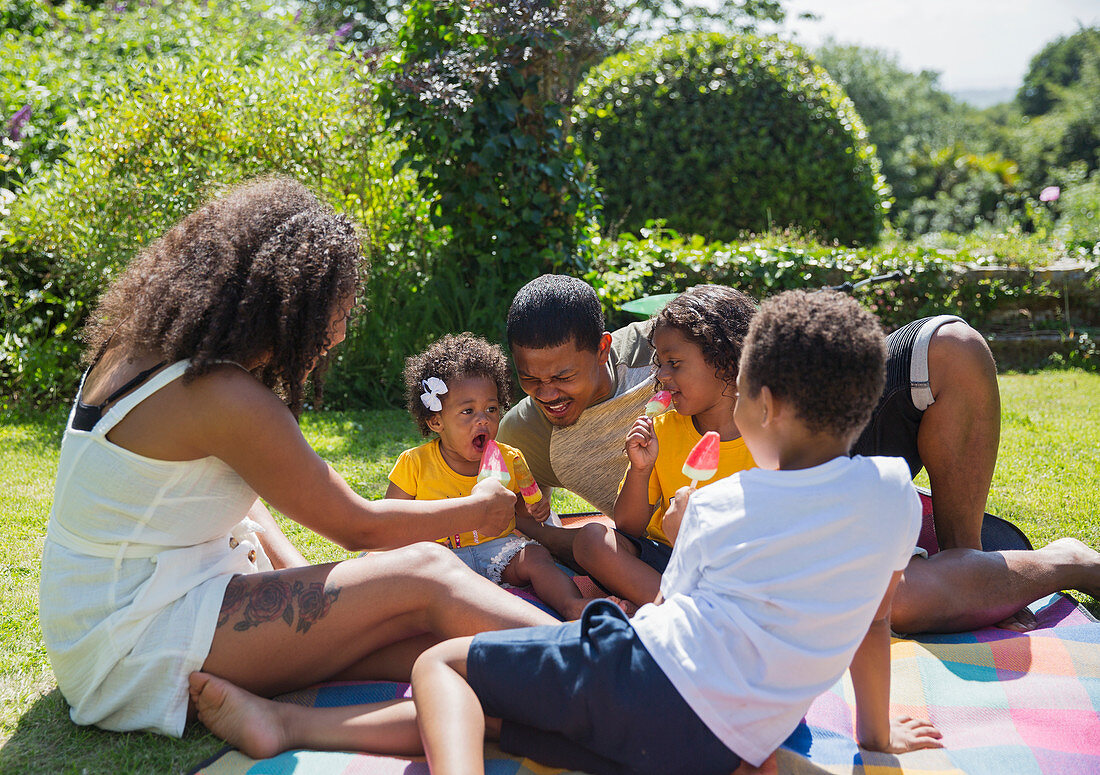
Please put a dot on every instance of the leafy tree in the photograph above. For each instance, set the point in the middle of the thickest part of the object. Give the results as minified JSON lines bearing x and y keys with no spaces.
{"x":1068,"y":133}
{"x":471,"y":90}
{"x":1059,"y":65}
{"x":181,"y":100}
{"x":910,"y":120}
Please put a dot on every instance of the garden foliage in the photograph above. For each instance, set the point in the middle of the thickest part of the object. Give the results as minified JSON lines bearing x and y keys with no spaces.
{"x":229,"y":92}
{"x":469,"y":92}
{"x":719,"y":135}
{"x":932,"y":282}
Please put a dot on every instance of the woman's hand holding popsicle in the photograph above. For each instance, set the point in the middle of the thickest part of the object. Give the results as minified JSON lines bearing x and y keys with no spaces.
{"x":499,"y":507}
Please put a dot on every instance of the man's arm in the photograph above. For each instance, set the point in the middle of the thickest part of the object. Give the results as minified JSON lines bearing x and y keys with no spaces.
{"x":870,"y":671}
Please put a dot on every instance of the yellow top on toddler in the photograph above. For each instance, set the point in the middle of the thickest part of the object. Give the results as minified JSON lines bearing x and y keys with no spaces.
{"x":424,"y":474}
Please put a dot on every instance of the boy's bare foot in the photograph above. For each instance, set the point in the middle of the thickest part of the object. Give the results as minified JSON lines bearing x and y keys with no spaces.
{"x":240,"y":718}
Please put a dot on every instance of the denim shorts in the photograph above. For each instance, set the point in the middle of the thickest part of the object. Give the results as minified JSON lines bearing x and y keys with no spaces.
{"x":490,"y":558}
{"x":586,"y":695}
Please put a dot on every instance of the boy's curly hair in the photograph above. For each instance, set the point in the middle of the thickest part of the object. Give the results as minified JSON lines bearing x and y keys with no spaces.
{"x":453,"y":358}
{"x":821,"y":352}
{"x":253,"y":276}
{"x":714,"y":317}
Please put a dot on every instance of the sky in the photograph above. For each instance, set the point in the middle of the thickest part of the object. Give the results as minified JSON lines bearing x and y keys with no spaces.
{"x":973,"y":44}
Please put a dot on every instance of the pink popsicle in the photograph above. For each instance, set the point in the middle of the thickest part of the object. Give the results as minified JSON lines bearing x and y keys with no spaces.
{"x":702,"y":461}
{"x":492,"y":465}
{"x":658,"y":404}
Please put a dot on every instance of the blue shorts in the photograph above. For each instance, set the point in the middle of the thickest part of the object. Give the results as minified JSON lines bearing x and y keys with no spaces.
{"x":586,"y":695}
{"x":653,"y":553}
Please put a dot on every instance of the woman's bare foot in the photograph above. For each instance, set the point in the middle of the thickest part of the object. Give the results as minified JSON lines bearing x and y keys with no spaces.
{"x":242,"y":719}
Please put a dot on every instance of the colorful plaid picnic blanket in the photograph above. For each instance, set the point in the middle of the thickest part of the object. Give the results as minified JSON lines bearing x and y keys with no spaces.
{"x":1006,"y":702}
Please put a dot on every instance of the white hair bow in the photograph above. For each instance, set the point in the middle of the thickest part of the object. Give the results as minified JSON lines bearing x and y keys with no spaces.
{"x":434,"y":387}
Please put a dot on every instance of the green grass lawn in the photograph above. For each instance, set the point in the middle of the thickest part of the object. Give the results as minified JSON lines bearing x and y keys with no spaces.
{"x":1045,"y":482}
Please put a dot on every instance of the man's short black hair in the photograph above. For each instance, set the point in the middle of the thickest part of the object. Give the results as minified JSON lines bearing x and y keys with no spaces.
{"x":822,"y":353}
{"x":554,"y":309}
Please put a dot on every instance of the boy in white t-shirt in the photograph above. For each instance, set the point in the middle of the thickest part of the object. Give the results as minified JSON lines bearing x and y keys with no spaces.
{"x":781,"y":578}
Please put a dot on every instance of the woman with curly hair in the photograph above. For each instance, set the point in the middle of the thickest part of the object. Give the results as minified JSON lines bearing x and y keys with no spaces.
{"x":198,"y":359}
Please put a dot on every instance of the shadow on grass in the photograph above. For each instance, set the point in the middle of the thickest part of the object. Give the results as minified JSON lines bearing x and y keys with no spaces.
{"x":45,"y":740}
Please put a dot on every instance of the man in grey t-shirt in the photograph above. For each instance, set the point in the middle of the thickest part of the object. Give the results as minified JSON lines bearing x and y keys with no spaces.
{"x":584,"y":387}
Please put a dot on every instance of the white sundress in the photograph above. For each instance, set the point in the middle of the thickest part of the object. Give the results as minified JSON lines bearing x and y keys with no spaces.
{"x":134,"y":568}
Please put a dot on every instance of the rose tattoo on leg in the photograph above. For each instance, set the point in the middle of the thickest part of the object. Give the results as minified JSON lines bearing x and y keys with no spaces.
{"x":275,"y":598}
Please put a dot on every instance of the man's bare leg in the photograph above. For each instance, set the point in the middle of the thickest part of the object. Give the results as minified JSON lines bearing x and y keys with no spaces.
{"x":959,"y":433}
{"x":963,"y":589}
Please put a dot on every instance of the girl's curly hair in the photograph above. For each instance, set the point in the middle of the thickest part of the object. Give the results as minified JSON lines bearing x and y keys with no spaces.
{"x":714,"y":317}
{"x":253,"y":276}
{"x":453,"y":358}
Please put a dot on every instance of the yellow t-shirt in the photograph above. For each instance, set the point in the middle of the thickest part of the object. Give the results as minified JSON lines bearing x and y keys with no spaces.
{"x":676,"y":435}
{"x":424,"y":474}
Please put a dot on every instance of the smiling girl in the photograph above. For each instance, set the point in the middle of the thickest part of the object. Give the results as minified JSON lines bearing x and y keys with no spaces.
{"x":458,"y":389}
{"x":697,"y":338}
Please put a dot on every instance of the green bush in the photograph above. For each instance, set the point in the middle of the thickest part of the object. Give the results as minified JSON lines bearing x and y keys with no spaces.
{"x":70,"y":55}
{"x":933,"y":281}
{"x":467,"y":92}
{"x":719,"y":135}
{"x":164,"y":135}
{"x":1079,"y":214}
{"x":958,"y":191}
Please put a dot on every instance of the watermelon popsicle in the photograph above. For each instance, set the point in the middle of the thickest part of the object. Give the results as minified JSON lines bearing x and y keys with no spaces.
{"x":492,"y":467}
{"x":702,"y":461}
{"x":658,"y":404}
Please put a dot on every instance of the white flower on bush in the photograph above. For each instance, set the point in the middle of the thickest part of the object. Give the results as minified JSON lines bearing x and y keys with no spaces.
{"x":1050,"y":194}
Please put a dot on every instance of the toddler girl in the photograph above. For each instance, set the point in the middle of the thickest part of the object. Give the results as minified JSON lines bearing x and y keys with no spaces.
{"x":697,"y":338}
{"x":458,"y":389}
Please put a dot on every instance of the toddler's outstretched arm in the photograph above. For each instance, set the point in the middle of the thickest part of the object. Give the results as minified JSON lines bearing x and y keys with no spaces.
{"x":870,"y":671}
